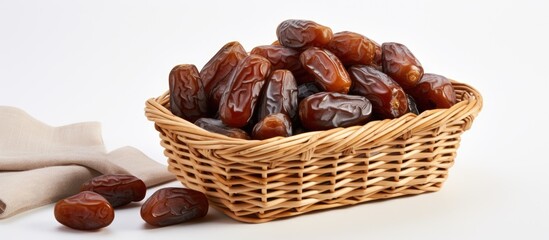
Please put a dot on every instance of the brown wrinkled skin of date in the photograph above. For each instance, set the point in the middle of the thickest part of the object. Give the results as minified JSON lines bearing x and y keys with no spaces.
{"x":327,"y":110}
{"x":304,"y":77}
{"x":328,"y":71}
{"x":306,"y":89}
{"x":377,"y":63}
{"x":352,"y":48}
{"x":187,"y":97}
{"x":217,"y":72}
{"x":215,"y":97}
{"x":238,"y":103}
{"x":221,"y":65}
{"x":279,"y":95}
{"x":412,"y":106}
{"x":387,"y":97}
{"x":118,"y":189}
{"x":295,"y":33}
{"x":84,"y":211}
{"x":433,"y":91}
{"x":170,"y":206}
{"x":273,"y":125}
{"x":400,"y":64}
{"x":217,"y":126}
{"x":280,"y":57}
{"x":284,"y":58}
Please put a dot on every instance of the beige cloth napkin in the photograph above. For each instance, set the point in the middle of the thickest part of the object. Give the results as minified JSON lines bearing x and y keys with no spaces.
{"x":40,"y":164}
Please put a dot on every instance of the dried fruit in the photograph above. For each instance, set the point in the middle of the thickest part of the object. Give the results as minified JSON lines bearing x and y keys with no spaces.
{"x":84,"y":211}
{"x":217,"y":72}
{"x":377,"y":63}
{"x":297,"y":33}
{"x":328,"y":71}
{"x":328,"y":110}
{"x":306,"y":89}
{"x":400,"y":64}
{"x":118,"y":189}
{"x":352,"y":48}
{"x":306,"y":75}
{"x":279,"y":96}
{"x":220,"y":66}
{"x":170,"y":206}
{"x":412,"y":106}
{"x":387,"y":97}
{"x":433,"y":91}
{"x":273,"y":125}
{"x":215,"y":97}
{"x":284,"y":58}
{"x":238,"y":103}
{"x":187,"y":97}
{"x":280,"y":57}
{"x":217,"y":126}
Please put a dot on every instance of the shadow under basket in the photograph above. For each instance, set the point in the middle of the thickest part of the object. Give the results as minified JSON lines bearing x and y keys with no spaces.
{"x":258,"y":181}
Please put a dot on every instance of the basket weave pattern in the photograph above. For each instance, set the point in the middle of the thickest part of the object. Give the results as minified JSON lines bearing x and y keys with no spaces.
{"x":258,"y":181}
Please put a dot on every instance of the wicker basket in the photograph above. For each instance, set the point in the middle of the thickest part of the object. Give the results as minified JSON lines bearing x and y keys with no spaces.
{"x":258,"y":181}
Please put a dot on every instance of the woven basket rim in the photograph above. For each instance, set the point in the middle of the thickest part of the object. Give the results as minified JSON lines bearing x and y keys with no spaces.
{"x":375,"y":132}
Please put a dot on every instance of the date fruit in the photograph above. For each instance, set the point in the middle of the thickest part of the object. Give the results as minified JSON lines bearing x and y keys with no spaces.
{"x":217,"y":126}
{"x":170,"y":206}
{"x":327,"y":110}
{"x":84,"y":211}
{"x":433,"y":91}
{"x":118,"y":189}
{"x":412,"y":106}
{"x":221,"y":65}
{"x":328,"y":71}
{"x":238,"y":102}
{"x":283,"y":58}
{"x":352,"y":48}
{"x":295,"y":33}
{"x":306,"y":89}
{"x":400,"y":64}
{"x":187,"y":96}
{"x":279,"y":95}
{"x":273,"y":125}
{"x":377,"y":59}
{"x":215,"y":97}
{"x":387,"y":97}
{"x":316,"y":78}
{"x":304,"y":77}
{"x":216,"y":73}
{"x":280,"y":57}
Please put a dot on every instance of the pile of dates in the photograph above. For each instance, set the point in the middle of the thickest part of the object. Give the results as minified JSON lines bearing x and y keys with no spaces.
{"x":309,"y":79}
{"x":93,"y":207}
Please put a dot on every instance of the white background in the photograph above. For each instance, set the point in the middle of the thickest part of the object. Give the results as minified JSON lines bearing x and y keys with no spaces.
{"x":73,"y":61}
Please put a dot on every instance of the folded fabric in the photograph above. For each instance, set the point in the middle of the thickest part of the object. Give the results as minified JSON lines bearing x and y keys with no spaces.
{"x":40,"y":164}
